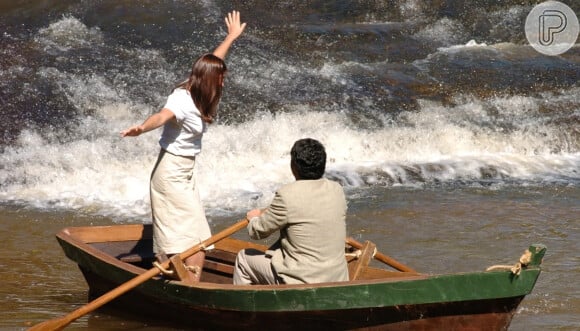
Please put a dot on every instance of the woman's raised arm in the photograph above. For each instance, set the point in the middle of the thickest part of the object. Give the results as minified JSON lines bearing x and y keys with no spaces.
{"x":235,"y":29}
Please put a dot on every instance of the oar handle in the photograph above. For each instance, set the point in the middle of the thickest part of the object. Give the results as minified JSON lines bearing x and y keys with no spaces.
{"x":382,"y":257}
{"x":61,"y":322}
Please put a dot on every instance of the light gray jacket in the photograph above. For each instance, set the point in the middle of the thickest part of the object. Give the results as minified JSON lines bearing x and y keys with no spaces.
{"x":310,"y":215}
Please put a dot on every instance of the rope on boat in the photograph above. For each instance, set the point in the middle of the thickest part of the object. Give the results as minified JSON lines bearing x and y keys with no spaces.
{"x":164,"y":271}
{"x":525,"y":259}
{"x":357,"y":254}
{"x":195,"y":269}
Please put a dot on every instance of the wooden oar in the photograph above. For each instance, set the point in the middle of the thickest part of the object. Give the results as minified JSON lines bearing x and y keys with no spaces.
{"x":61,"y":322}
{"x":382,"y":257}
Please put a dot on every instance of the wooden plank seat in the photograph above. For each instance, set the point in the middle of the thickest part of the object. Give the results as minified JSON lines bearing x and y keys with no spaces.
{"x":368,"y":273}
{"x":136,"y":258}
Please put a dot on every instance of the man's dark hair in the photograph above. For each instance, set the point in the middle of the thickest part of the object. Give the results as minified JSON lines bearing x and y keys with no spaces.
{"x":308,"y":159}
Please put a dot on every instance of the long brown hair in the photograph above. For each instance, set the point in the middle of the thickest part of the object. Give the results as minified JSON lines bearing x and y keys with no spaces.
{"x":205,"y":84}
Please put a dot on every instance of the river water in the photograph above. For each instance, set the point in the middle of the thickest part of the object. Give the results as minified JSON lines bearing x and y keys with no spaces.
{"x":458,"y":145}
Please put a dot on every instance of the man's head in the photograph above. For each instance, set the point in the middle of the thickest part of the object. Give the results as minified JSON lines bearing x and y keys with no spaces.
{"x":308,"y":159}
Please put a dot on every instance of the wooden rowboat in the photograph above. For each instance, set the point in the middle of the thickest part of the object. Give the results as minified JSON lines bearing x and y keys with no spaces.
{"x":376,"y":299}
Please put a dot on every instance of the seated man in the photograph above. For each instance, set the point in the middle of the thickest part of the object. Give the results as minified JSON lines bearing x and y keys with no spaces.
{"x":310,"y":216}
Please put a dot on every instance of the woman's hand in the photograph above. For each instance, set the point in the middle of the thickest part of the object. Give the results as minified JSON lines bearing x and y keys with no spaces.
{"x":235,"y":27}
{"x":133,"y":131}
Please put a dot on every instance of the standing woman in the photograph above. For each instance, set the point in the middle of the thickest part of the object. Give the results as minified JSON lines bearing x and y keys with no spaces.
{"x":178,"y":216}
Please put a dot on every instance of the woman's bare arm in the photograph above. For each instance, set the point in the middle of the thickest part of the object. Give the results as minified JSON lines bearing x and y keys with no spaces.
{"x":153,"y":122}
{"x":235,"y":29}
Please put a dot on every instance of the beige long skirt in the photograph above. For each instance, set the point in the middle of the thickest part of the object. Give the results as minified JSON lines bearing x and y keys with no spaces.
{"x":178,"y":216}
